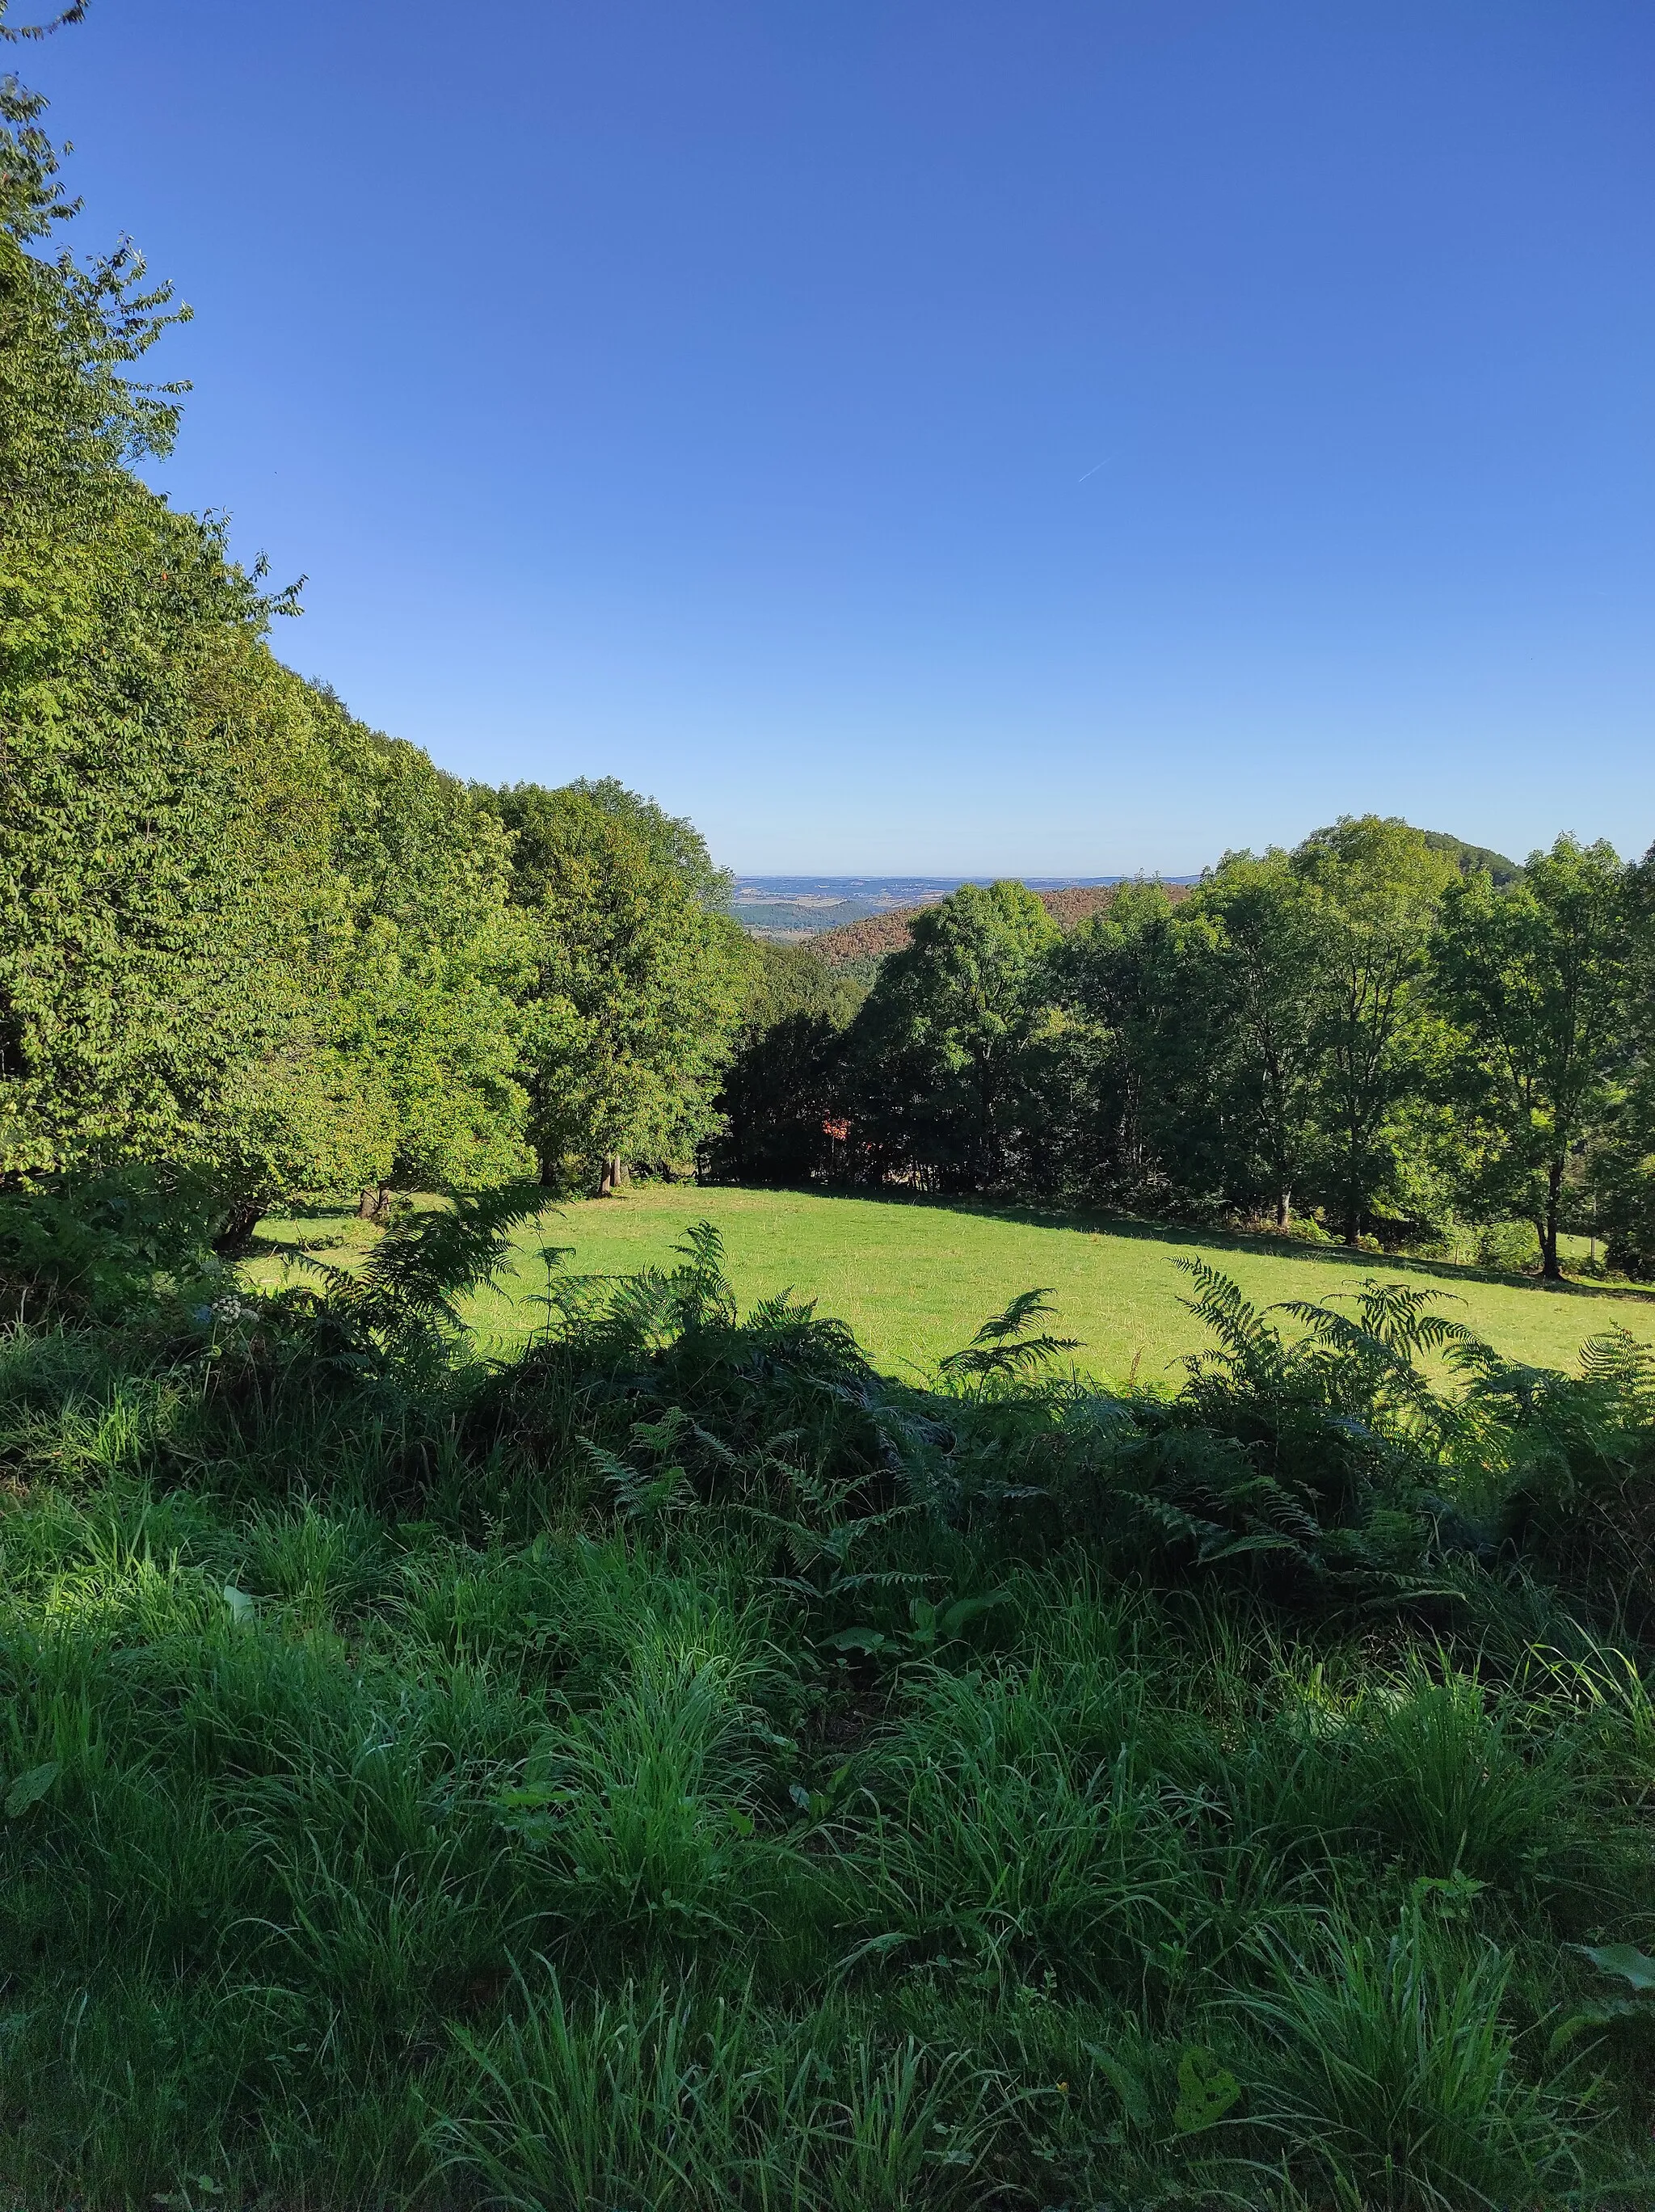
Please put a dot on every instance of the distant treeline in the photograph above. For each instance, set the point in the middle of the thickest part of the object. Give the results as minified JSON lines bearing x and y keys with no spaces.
{"x":859,"y":945}
{"x":1376,"y":1034}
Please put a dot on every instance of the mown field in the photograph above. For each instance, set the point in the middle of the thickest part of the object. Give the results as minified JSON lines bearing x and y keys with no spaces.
{"x":913,"y":1280}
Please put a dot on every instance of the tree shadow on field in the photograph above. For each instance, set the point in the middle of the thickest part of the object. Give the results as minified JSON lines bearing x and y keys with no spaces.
{"x":1130,"y":1226}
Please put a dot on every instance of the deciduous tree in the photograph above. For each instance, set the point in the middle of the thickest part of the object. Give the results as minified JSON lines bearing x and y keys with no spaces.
{"x":1536,"y":978}
{"x":637,"y":979}
{"x":1375,"y":889}
{"x":941,"y":1038}
{"x":1252,"y":979}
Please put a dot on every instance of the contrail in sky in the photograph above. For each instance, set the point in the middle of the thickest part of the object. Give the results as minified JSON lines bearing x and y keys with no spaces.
{"x":1092,"y":472}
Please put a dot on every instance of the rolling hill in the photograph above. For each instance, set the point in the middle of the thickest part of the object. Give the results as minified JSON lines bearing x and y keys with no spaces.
{"x":871,"y":938}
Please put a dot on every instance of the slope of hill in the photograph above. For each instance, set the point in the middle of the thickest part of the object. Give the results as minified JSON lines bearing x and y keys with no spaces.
{"x":791,"y":909}
{"x":1469,"y":858}
{"x":788,"y":922}
{"x":858,"y":942}
{"x":915,"y":1278}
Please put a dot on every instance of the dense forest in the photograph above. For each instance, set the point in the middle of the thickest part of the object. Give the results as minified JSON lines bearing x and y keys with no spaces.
{"x":246,"y":940}
{"x":1376,"y":1035}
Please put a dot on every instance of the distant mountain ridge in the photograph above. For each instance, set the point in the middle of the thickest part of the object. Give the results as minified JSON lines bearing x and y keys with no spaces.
{"x":797,"y":909}
{"x":870,"y":939}
{"x":861,"y":940}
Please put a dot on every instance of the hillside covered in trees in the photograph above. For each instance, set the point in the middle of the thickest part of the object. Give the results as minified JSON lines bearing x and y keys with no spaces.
{"x":857,"y":946}
{"x":1367,"y":1030}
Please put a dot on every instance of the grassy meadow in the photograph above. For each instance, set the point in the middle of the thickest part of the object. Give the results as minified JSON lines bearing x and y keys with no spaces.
{"x":682,"y":1765}
{"x":913,"y":1280}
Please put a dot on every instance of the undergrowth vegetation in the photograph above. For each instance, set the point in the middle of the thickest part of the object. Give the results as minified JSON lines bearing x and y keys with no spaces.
{"x":683,"y":1767}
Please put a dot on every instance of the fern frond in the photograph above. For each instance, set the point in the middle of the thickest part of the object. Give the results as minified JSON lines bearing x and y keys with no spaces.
{"x":1003,"y":1346}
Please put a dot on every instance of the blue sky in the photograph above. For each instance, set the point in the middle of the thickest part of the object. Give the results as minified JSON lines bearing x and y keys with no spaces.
{"x":924,"y":434}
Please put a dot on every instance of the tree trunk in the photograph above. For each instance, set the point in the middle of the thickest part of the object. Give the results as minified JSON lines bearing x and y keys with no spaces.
{"x":987,"y":1165}
{"x":1550,"y":1269}
{"x":611,"y":1175}
{"x":1283,"y":1211}
{"x":237,"y":1232}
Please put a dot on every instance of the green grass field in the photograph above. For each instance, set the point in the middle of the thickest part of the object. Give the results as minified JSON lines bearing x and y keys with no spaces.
{"x":913,"y":1280}
{"x":680,"y":1771}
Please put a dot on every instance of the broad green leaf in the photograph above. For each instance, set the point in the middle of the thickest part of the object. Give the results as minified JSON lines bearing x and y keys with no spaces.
{"x":1239,"y":1545}
{"x":868,"y":1640}
{"x":1597,"y":2015}
{"x":1127,"y":2083}
{"x":965,"y":1610}
{"x":1622,"y":1961}
{"x":29,"y":1788}
{"x":1206,"y":2090}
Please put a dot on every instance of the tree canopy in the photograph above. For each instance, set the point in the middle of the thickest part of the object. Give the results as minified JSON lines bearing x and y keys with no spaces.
{"x":1534,"y":977}
{"x":1366,"y":1035}
{"x":636,"y":977}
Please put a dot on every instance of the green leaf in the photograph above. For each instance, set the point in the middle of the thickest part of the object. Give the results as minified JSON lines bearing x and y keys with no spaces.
{"x":1127,"y":2083}
{"x":1597,"y":2015}
{"x":1206,"y":2090}
{"x":965,"y":1610}
{"x":1622,"y":1961}
{"x":29,"y":1788}
{"x":243,"y":1610}
{"x":867,"y":1640}
{"x":1238,"y":1545}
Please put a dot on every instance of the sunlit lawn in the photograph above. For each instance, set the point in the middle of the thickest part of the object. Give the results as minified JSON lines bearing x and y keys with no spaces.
{"x":913,"y":1280}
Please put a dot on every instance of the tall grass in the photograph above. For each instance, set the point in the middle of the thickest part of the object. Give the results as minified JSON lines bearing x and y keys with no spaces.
{"x":685,"y":1768}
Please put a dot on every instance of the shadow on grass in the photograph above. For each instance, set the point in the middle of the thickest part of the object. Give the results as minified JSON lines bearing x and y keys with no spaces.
{"x":354,"y":1237}
{"x":1150,"y":1232}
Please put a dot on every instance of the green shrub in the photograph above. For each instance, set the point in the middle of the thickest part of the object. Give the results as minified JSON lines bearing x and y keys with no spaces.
{"x":100,"y":1247}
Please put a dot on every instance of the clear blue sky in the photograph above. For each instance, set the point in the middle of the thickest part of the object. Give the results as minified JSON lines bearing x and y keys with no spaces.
{"x":1051,"y":435}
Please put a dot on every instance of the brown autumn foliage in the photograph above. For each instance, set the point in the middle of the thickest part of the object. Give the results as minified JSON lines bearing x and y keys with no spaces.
{"x":880,"y":934}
